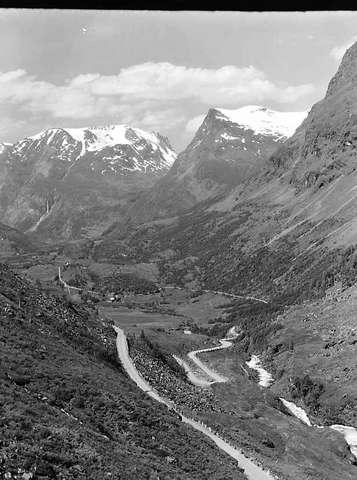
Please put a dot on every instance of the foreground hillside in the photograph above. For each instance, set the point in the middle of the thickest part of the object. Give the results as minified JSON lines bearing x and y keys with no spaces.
{"x":67,"y":409}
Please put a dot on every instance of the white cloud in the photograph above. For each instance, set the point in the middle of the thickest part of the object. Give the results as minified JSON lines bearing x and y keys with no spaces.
{"x":338,"y":52}
{"x":227,"y":85}
{"x":193,"y":124}
{"x":150,"y":95}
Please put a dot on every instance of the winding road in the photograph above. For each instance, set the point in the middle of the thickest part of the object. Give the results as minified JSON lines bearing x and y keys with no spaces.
{"x":191,"y":375}
{"x":65,"y":284}
{"x":215,"y":377}
{"x":224,"y":294}
{"x":252,"y":471}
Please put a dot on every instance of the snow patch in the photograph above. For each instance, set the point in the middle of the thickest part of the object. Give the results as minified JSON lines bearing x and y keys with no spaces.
{"x":350,"y":434}
{"x":298,"y":412}
{"x":232,"y":333}
{"x":263,"y":120}
{"x":226,"y":136}
{"x":3,"y":146}
{"x":265,"y":378}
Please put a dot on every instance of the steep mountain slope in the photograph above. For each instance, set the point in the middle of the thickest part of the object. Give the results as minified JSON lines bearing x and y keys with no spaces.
{"x":69,"y":411}
{"x":71,"y":182}
{"x":282,"y":228}
{"x":229,"y":147}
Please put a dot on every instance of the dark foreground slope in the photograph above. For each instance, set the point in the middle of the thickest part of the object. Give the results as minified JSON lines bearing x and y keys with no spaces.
{"x":68,"y":411}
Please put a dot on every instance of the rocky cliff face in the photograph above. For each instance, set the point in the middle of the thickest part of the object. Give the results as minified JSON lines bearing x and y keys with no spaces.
{"x":324,"y":147}
{"x":69,"y":183}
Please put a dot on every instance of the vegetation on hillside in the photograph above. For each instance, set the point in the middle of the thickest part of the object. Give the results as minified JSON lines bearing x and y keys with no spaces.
{"x":67,"y":409}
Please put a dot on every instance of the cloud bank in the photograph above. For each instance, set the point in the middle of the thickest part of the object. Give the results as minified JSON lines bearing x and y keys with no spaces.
{"x":154,"y":96}
{"x":338,"y":52}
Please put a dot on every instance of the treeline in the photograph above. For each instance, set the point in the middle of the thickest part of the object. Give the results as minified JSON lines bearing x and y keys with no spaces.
{"x":126,"y":283}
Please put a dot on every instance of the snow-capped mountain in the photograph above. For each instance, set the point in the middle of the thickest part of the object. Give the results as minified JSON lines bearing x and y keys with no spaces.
{"x":229,"y":147}
{"x":248,"y":129}
{"x":241,"y":137}
{"x":62,"y":181}
{"x":114,"y":149}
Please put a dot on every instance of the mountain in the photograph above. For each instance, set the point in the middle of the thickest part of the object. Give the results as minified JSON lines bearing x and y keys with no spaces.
{"x":291,"y":226}
{"x":229,"y":147}
{"x":109,"y":150}
{"x":72,"y":182}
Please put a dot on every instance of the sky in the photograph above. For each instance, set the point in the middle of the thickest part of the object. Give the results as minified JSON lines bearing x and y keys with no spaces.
{"x":161,"y":71}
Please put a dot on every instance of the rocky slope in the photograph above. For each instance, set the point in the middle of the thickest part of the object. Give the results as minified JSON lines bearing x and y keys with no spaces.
{"x":325,"y":146}
{"x":229,"y":147}
{"x":69,"y":183}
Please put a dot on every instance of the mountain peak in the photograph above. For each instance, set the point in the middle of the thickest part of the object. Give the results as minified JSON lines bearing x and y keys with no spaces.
{"x":346,"y":73}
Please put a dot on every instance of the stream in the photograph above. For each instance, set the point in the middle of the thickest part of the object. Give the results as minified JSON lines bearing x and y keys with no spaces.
{"x":251,"y":470}
{"x":265,"y":380}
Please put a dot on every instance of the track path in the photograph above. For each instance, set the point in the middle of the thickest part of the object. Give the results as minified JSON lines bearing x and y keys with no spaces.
{"x":251,"y":470}
{"x":65,"y":284}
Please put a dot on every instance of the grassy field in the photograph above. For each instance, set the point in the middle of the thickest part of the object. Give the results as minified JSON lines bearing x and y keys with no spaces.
{"x":135,"y":320}
{"x":186,"y":309}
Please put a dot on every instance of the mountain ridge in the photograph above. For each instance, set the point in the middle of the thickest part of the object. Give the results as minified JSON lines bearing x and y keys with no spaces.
{"x":49,"y":179}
